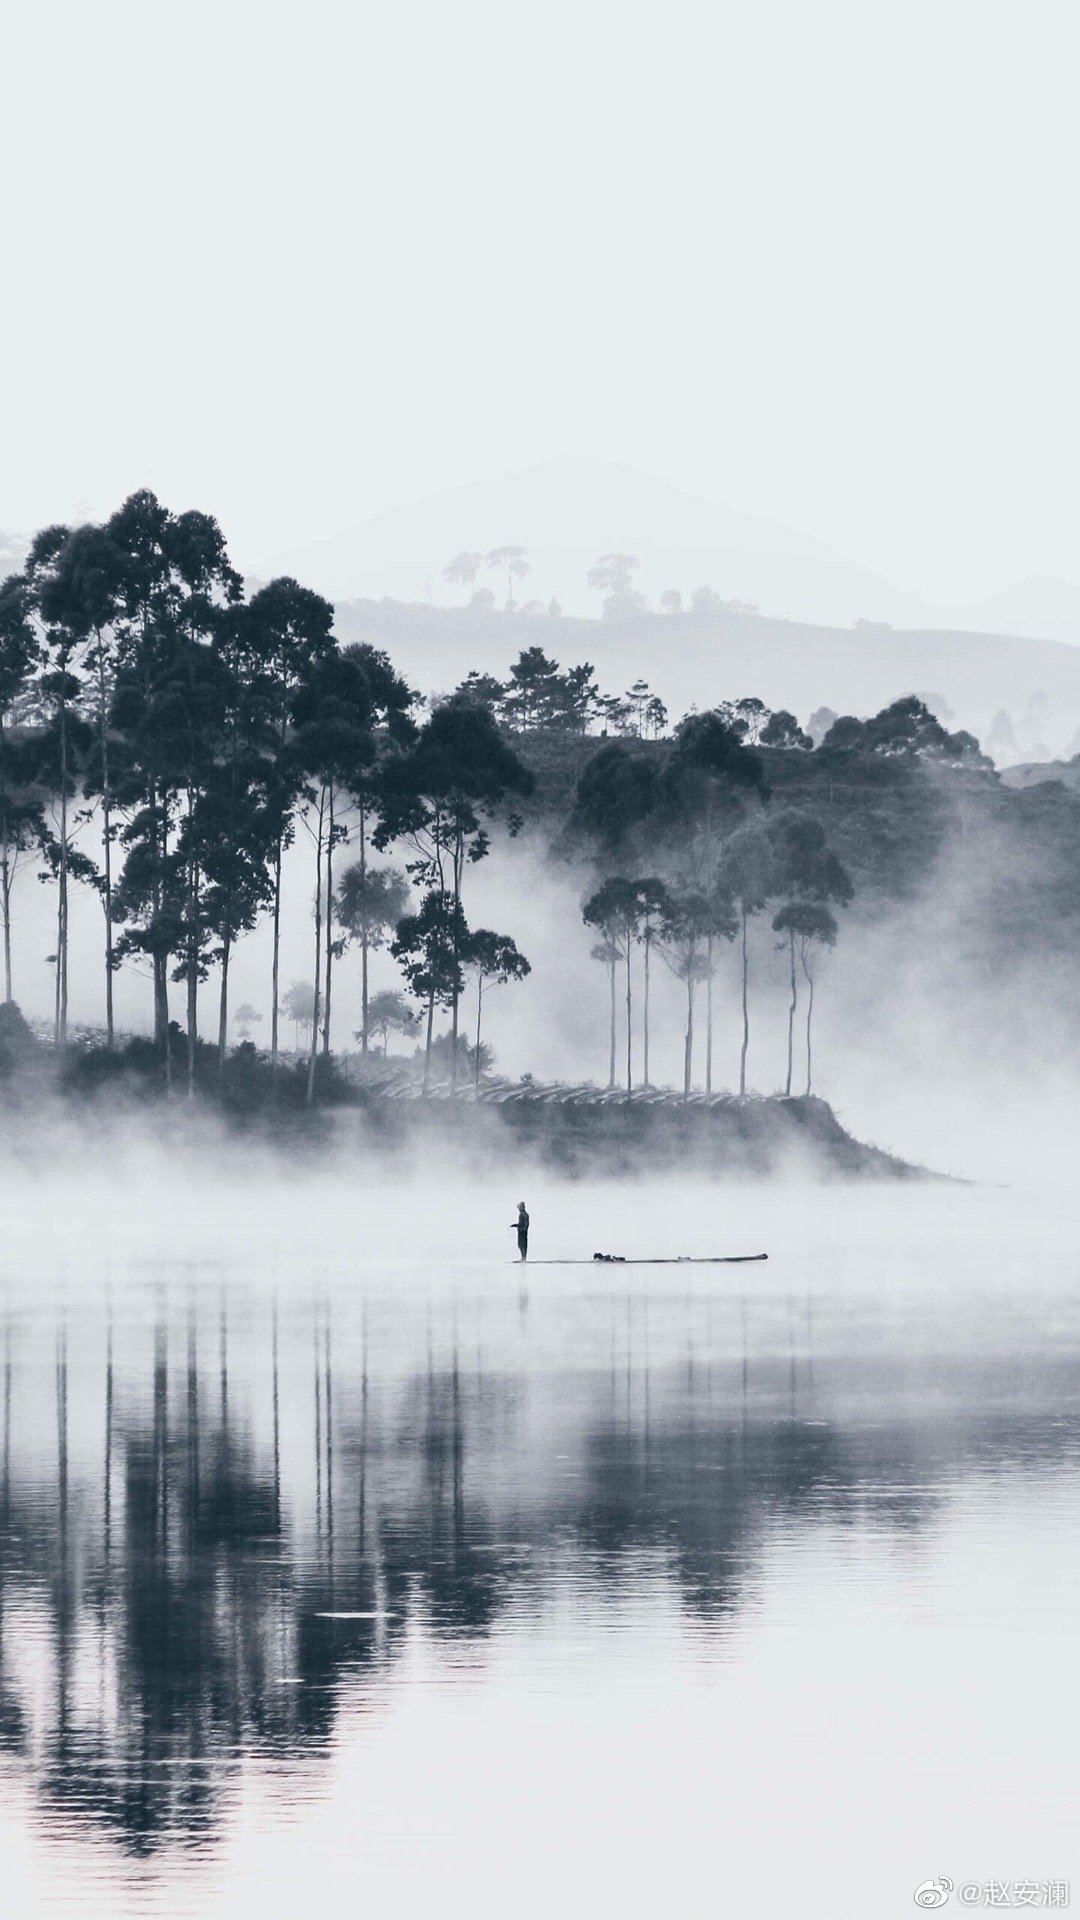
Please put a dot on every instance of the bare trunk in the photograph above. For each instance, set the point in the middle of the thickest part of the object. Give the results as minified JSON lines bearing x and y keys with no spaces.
{"x":223,"y":1002}
{"x":60,"y":1019}
{"x":5,"y":891}
{"x":479,"y":1010}
{"x":611,"y":1050}
{"x":745,"y":1010}
{"x":709,"y":1017}
{"x":192,"y":973}
{"x":313,"y":1052}
{"x":629,"y":1029}
{"x":329,"y":925}
{"x":106,"y":812}
{"x":363,"y":938}
{"x":427,"y":1041}
{"x":791,"y":1015}
{"x":688,"y":1047}
{"x":809,"y":1017}
{"x":276,"y":963}
{"x":645,"y":1012}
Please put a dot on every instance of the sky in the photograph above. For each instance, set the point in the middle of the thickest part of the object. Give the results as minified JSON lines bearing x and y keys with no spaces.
{"x":296,"y":264}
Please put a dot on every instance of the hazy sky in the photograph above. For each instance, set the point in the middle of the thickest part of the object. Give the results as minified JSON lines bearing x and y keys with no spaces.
{"x":294,"y":263}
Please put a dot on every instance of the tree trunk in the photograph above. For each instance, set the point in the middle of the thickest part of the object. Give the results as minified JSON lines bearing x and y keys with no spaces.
{"x":106,"y":811}
{"x":427,"y":1042}
{"x":276,"y":962}
{"x":629,"y":1030}
{"x":688,"y":1048}
{"x":223,"y":1003}
{"x":745,"y":1009}
{"x":809,"y":1017}
{"x":313,"y":1052}
{"x":329,"y":925}
{"x":479,"y":1009}
{"x":709,"y":1016}
{"x":645,"y":1012}
{"x":193,"y":975}
{"x":363,"y":938}
{"x":5,"y":894}
{"x":791,"y":1014}
{"x":60,"y":1020}
{"x":611,"y":1051}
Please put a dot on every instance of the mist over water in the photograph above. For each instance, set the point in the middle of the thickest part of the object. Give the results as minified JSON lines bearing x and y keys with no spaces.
{"x":341,"y":1558}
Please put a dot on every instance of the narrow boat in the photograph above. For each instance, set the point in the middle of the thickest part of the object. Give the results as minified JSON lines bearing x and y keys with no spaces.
{"x":671,"y":1260}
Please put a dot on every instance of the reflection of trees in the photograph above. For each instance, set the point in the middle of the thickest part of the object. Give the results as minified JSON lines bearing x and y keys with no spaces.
{"x":216,"y":1614}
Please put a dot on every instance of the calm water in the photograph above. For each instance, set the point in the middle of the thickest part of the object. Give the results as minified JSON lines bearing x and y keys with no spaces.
{"x":338,"y":1569}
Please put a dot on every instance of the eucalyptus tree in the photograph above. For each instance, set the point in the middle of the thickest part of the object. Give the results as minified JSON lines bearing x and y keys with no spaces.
{"x":394,"y":730}
{"x":689,"y":919}
{"x":21,"y":809}
{"x":65,"y":733}
{"x":83,"y":593}
{"x":462,"y":570}
{"x":295,"y":631}
{"x":240,"y":807}
{"x":428,"y":946}
{"x":809,"y":924}
{"x":333,"y":714}
{"x":608,"y":956}
{"x":203,"y":694}
{"x":492,"y":957}
{"x":511,"y":563}
{"x":746,"y":876}
{"x":388,"y":1013}
{"x":437,"y":797}
{"x":614,"y":910}
{"x":807,"y":874}
{"x":370,"y":902}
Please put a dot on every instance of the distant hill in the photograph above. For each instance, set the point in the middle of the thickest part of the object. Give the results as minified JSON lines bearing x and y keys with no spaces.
{"x":693,"y":660}
{"x":569,"y":510}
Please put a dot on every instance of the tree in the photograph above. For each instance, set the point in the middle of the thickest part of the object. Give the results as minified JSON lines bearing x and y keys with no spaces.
{"x":483,"y":690}
{"x":492,"y":957}
{"x":83,"y":593}
{"x":533,"y":690}
{"x":512,"y":564}
{"x":783,"y":730}
{"x":21,"y":811}
{"x":463,"y":569}
{"x":333,"y":713}
{"x":616,"y":792}
{"x":656,"y":717}
{"x":295,"y":629}
{"x":808,"y":873}
{"x":689,"y":919}
{"x":389,"y":1013}
{"x":652,"y":905}
{"x":608,"y":956}
{"x":428,"y":947}
{"x":671,"y":600}
{"x":810,"y":924}
{"x":615,"y":910}
{"x":438,"y":795}
{"x":613,"y":575}
{"x":370,"y":902}
{"x":247,"y":1017}
{"x":746,"y":877}
{"x":298,"y":1005}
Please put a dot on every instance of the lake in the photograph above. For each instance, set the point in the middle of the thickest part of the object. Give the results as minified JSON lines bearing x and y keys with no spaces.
{"x":344,"y":1564}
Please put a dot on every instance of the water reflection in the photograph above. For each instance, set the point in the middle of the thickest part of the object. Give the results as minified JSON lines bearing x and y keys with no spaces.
{"x":225,"y":1515}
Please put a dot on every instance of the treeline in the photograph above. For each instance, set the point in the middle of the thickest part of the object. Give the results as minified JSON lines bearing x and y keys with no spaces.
{"x":205,"y":730}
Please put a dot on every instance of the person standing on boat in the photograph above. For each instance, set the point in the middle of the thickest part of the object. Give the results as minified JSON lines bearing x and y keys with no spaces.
{"x":521,"y":1228}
